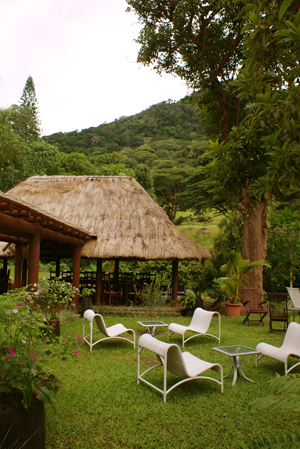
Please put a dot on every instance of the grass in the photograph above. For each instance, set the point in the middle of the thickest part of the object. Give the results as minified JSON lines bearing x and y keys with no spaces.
{"x":101,"y":405}
{"x":192,"y":229}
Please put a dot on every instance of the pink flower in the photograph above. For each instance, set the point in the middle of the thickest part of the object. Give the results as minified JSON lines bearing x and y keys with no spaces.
{"x":15,"y":311}
{"x":12,"y":351}
{"x":78,"y":339}
{"x":53,"y":324}
{"x":33,"y":355}
{"x":7,"y":359}
{"x":18,"y":304}
{"x":75,"y":352}
{"x":37,"y":292}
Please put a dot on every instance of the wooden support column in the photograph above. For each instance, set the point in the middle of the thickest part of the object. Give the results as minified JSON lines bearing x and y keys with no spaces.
{"x":5,"y":265}
{"x":174,"y":281}
{"x":57,"y":266}
{"x":99,"y":283}
{"x":18,"y":265}
{"x":76,"y":274}
{"x":24,"y":272}
{"x":33,"y":259}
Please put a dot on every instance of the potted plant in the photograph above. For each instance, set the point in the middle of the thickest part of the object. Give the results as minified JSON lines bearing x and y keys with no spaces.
{"x":25,"y":381}
{"x":188,"y":300}
{"x":55,"y":295}
{"x":235,"y":271}
{"x":85,"y":296}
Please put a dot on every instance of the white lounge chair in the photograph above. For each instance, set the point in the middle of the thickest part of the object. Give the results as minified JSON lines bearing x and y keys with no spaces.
{"x":182,"y":364}
{"x":290,"y":347}
{"x":200,"y":323}
{"x":294,"y":303}
{"x":115,"y":331}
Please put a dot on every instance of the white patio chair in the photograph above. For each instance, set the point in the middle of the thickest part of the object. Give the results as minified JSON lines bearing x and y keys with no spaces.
{"x":290,"y":347}
{"x":116,"y":331}
{"x":182,"y":364}
{"x":200,"y":323}
{"x":294,"y":303}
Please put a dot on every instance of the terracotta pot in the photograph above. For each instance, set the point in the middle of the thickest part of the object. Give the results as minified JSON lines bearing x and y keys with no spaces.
{"x":233,"y":310}
{"x":23,"y":426}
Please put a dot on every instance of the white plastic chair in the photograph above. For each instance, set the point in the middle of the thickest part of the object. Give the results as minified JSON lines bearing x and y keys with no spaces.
{"x":116,"y":331}
{"x":200,"y":323}
{"x":182,"y":364}
{"x":290,"y":347}
{"x":294,"y":303}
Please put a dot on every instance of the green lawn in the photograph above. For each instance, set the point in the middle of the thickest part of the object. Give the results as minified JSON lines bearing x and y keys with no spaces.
{"x":101,"y":405}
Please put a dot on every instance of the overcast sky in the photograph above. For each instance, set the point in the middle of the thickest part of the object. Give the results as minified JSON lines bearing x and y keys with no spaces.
{"x":82,"y":58}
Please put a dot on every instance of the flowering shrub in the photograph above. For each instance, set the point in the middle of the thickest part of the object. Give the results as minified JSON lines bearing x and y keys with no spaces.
{"x":24,"y":347}
{"x":55,"y":295}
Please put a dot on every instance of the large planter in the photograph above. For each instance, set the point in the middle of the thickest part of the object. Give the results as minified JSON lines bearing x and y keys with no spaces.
{"x":233,"y":310}
{"x":24,"y":428}
{"x":54,"y":327}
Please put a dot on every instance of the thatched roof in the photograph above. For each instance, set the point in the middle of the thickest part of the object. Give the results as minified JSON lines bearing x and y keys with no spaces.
{"x":128,"y":223}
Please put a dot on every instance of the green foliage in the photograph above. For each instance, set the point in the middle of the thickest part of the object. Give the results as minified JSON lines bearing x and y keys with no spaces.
{"x":55,"y":295}
{"x":235,"y":271}
{"x":199,"y":42}
{"x":28,"y":126}
{"x":178,"y":121}
{"x":283,"y":250}
{"x":188,"y":300}
{"x":281,"y":396}
{"x":153,"y":298}
{"x":24,"y":345}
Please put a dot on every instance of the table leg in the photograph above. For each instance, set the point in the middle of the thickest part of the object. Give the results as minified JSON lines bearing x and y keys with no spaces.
{"x":235,"y":364}
{"x":247,"y":378}
{"x":236,"y":367}
{"x":151,"y":330}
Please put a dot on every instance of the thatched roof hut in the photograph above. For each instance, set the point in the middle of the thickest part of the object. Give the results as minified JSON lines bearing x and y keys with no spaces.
{"x":128,"y":223}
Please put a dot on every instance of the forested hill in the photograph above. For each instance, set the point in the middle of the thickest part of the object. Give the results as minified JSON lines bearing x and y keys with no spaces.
{"x":163,"y":121}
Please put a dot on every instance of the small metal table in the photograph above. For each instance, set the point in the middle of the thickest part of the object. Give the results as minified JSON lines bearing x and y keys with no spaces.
{"x":152,"y":325}
{"x":235,"y":352}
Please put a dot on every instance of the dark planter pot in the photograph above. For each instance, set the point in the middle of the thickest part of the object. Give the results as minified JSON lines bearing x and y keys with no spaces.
{"x":233,"y":310}
{"x":53,"y":326}
{"x":24,"y":428}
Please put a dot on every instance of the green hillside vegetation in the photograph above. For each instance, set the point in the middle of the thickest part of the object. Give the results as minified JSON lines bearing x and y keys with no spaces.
{"x":166,"y":121}
{"x":160,"y":147}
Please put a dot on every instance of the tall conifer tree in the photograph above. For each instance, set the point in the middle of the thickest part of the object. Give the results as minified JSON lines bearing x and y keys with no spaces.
{"x":29,"y":112}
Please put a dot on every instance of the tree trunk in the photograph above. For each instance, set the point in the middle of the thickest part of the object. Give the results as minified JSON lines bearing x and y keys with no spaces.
{"x":255,"y":236}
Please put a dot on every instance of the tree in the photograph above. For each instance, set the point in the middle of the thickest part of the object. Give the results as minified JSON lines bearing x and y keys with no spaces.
{"x":254,"y":162}
{"x":12,"y":148}
{"x":29,"y":128}
{"x":284,"y":246}
{"x":168,"y":184}
{"x":199,"y":41}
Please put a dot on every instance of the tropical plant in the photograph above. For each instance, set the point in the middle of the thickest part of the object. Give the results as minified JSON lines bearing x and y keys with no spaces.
{"x":24,"y":347}
{"x":55,"y":295}
{"x":236,"y":270}
{"x":188,"y":300}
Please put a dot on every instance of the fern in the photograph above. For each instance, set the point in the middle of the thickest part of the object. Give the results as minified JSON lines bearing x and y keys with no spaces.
{"x":283,"y":440}
{"x":283,"y":394}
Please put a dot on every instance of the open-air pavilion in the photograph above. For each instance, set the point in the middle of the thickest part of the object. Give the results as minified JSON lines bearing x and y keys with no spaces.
{"x":128,"y":223}
{"x":28,"y":229}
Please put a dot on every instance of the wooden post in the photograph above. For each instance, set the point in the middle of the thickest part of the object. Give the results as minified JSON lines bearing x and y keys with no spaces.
{"x":33,"y":259}
{"x":24,"y":272}
{"x":99,"y":283}
{"x":76,"y":274}
{"x":18,"y":265}
{"x":174,"y":281}
{"x":57,"y":266}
